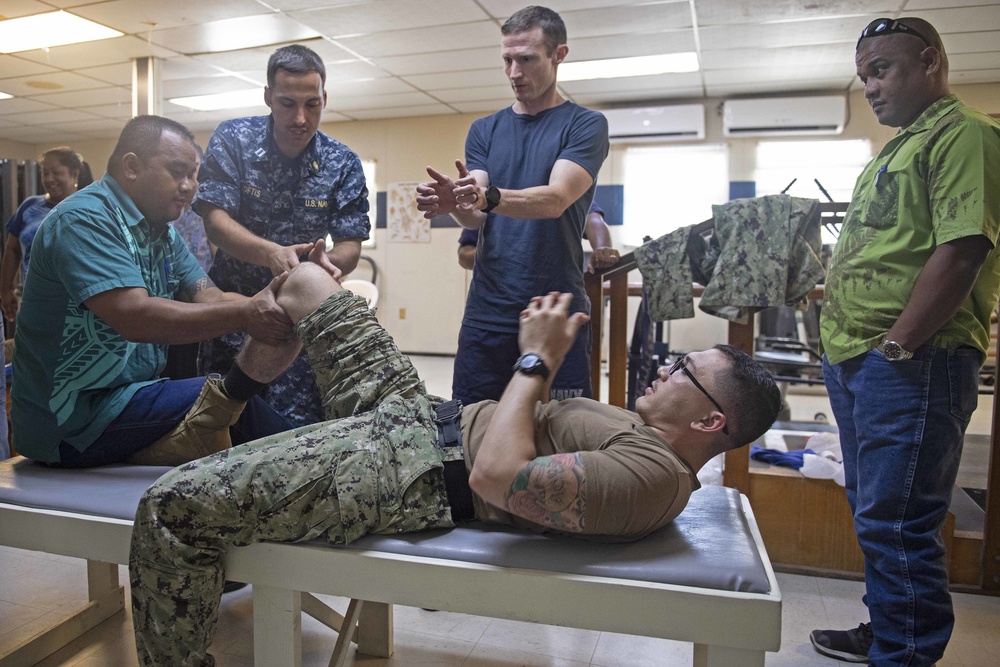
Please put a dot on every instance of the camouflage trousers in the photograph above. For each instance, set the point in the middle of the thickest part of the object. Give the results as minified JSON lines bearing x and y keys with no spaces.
{"x":372,"y":468}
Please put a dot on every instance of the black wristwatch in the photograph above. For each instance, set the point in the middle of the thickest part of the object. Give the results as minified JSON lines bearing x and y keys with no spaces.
{"x":893,"y":351}
{"x":492,"y":199}
{"x":531,"y":364}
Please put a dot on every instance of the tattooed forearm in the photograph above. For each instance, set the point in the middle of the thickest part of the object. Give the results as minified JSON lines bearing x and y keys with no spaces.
{"x":188,"y":293}
{"x":551,"y":491}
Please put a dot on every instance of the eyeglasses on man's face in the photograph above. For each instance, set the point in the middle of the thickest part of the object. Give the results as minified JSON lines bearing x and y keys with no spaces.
{"x":681,"y":365}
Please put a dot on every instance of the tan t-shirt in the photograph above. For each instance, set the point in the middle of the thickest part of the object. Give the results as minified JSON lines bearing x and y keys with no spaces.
{"x":636,"y":482}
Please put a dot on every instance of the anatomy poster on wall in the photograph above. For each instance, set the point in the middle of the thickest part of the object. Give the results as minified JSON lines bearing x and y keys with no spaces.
{"x":404,"y":223}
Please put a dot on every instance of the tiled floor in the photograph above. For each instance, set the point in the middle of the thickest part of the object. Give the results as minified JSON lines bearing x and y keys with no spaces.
{"x":33,"y":586}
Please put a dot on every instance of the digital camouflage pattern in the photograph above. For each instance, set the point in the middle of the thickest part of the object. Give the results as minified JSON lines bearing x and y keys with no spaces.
{"x":374,"y":469}
{"x":934,"y":182}
{"x":288,"y":201}
{"x":666,"y":276}
{"x":763,"y":252}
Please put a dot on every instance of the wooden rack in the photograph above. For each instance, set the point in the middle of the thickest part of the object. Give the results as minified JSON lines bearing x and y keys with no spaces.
{"x":613,"y":283}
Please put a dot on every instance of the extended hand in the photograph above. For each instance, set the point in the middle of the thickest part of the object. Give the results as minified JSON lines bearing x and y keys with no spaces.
{"x":602,"y":258}
{"x":468,"y":195}
{"x":266,"y":321}
{"x":548,"y":329}
{"x":319,"y":257}
{"x":286,"y":258}
{"x":436,"y":197}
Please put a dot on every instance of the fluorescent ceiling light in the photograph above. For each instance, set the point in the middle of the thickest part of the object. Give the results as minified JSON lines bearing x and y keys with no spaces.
{"x":41,"y":31}
{"x":614,"y":68}
{"x":237,"y":99}
{"x":5,"y":96}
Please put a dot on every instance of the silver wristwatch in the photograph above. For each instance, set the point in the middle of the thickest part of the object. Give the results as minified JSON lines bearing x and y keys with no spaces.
{"x":893,"y":351}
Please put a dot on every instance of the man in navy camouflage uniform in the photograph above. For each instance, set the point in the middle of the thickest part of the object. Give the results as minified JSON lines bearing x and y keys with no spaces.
{"x":270,"y":187}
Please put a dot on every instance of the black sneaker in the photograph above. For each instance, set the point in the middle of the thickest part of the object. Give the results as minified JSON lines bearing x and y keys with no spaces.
{"x":846,"y":645}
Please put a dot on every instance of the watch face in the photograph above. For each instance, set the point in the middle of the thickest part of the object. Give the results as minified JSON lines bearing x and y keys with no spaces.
{"x":529,"y":361}
{"x":492,"y":195}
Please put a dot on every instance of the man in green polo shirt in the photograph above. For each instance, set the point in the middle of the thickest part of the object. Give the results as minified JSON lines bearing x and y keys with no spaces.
{"x":111,"y":286}
{"x":905,"y":328}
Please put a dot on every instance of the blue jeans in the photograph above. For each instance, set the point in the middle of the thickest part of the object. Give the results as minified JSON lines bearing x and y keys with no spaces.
{"x":485,"y":358}
{"x":152,"y":412}
{"x":901,"y":428}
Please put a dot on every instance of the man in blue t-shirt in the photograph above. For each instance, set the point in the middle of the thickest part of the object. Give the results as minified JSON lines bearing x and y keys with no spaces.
{"x":529,"y":174}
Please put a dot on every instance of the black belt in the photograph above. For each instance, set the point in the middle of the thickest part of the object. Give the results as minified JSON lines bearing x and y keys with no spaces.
{"x":456,"y":477}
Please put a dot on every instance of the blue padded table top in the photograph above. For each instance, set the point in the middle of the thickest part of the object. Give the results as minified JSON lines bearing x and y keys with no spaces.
{"x":708,"y":546}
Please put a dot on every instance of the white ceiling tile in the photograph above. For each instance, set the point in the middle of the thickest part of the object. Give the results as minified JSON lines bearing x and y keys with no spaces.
{"x":471,"y":94}
{"x":647,"y":44}
{"x":52,"y":117}
{"x":187,"y":67}
{"x":626,"y":19}
{"x":913,"y":5}
{"x":118,"y":75}
{"x":802,"y":56}
{"x":391,"y":15}
{"x":962,"y":19}
{"x":231,"y":34}
{"x":383,"y":86}
{"x":103,"y":52}
{"x":51,"y":82}
{"x":974,"y":61}
{"x":974,"y":76}
{"x":462,"y":79}
{"x":79,"y":99}
{"x":777,"y":76}
{"x":798,"y":87}
{"x":11,"y":9}
{"x":141,"y":16}
{"x":443,"y":61}
{"x":971,"y":42}
{"x":638,"y":84}
{"x":424,"y":40}
{"x":19,"y":105}
{"x":120,"y":110}
{"x":790,"y":33}
{"x":401,"y":112}
{"x":715,"y":12}
{"x":625,"y":98}
{"x":219,"y":84}
{"x":504,"y":8}
{"x":14,"y":66}
{"x":347,"y":105}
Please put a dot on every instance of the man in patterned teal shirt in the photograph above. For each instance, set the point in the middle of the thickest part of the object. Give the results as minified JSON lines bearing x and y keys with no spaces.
{"x":111,"y":285}
{"x":905,"y":328}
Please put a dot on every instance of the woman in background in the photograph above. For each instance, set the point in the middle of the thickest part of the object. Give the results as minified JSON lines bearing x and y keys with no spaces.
{"x":63,"y":173}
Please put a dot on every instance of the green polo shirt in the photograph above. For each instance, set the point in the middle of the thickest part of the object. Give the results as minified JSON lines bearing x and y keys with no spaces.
{"x":73,"y":373}
{"x":936,"y":181}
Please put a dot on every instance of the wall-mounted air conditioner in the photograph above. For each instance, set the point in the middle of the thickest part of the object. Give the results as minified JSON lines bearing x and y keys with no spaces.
{"x":673,"y":123}
{"x":824,"y":114}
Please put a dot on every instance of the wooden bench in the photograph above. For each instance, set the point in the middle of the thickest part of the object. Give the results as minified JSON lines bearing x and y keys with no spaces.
{"x":704,"y":579}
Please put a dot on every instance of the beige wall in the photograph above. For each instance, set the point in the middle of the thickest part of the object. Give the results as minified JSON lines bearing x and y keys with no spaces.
{"x":422,"y":287}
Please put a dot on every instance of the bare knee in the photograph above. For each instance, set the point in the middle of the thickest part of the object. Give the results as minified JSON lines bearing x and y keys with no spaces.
{"x":308,"y":286}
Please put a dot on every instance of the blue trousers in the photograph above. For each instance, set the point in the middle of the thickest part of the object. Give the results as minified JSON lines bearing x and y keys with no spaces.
{"x":485,"y":358}
{"x":152,"y":412}
{"x":901,"y":429}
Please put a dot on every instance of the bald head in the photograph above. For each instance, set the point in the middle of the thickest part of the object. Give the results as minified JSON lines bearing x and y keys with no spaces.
{"x":904,"y":68}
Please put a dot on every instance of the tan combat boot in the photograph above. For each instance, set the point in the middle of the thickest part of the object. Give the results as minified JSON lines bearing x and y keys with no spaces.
{"x":203,"y":431}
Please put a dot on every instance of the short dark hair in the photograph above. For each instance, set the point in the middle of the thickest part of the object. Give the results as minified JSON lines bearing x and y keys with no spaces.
{"x":73,"y":161}
{"x":532,"y":17}
{"x":296,"y":59}
{"x":141,"y":136}
{"x":749,"y":395}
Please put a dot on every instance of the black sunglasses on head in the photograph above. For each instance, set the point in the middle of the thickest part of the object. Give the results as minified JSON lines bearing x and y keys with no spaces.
{"x":681,"y":365}
{"x":880,"y":27}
